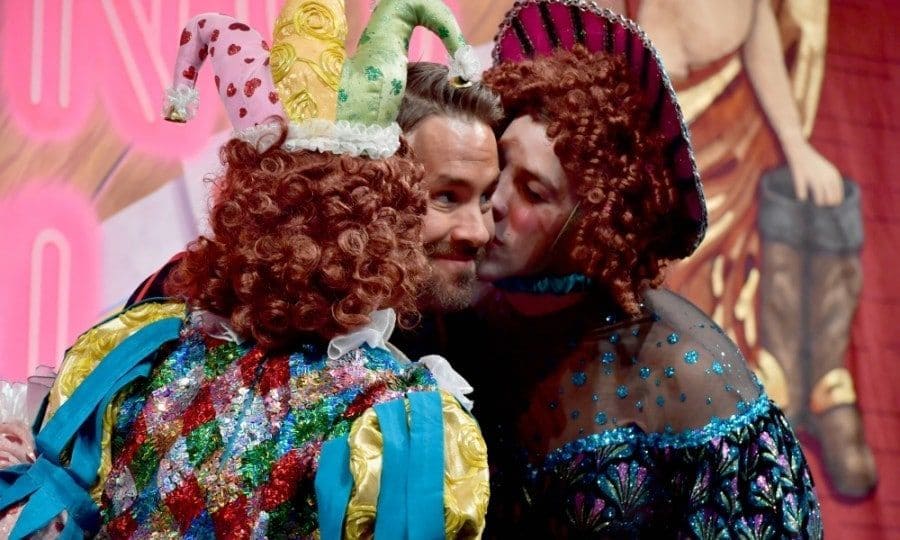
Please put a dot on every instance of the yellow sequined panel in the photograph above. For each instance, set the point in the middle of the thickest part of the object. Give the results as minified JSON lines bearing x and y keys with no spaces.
{"x":86,"y":353}
{"x":466,"y":483}
{"x":307,"y":57}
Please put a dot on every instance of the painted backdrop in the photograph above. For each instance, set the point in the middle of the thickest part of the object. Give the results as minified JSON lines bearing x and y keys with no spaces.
{"x":96,"y":191}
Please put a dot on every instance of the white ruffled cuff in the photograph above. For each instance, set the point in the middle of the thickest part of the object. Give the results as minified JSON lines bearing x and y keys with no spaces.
{"x":465,"y":65}
{"x":12,"y":402}
{"x":181,"y":103}
{"x":20,"y":402}
{"x":321,"y":135}
{"x":448,"y":379}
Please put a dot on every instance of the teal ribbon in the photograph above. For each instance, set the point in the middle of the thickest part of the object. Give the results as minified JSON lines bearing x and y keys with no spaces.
{"x":411,"y":494}
{"x":557,"y":285}
{"x":390,"y":513}
{"x":48,"y":485}
{"x":425,"y":488}
{"x":333,"y":485}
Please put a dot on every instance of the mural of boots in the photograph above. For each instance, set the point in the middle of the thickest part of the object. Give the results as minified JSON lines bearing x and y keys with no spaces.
{"x":811,"y":280}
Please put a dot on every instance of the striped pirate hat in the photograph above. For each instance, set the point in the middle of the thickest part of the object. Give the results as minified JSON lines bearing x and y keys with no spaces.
{"x":538,"y":27}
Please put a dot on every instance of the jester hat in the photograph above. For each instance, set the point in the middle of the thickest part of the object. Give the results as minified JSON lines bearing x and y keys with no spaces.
{"x":534,"y":28}
{"x":330,"y":102}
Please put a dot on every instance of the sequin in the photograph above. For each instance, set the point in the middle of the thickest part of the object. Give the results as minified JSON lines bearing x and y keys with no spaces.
{"x":579,"y":378}
{"x":220,"y":358}
{"x":615,"y":338}
{"x":257,"y":462}
{"x":717,"y":368}
{"x":595,"y":398}
{"x":575,"y":414}
{"x":600,"y":418}
{"x":709,"y":400}
{"x":144,"y":465}
{"x":669,"y":371}
{"x":639,"y":405}
{"x":645,"y":372}
{"x":660,"y":400}
{"x":247,"y":427}
{"x":608,"y":357}
{"x":622,"y":391}
{"x":691,"y":357}
{"x":203,"y":441}
{"x":682,"y":397}
{"x":673,"y":338}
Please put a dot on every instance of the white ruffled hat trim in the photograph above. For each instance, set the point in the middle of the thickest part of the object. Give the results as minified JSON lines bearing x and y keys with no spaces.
{"x":321,"y":135}
{"x":465,"y":65}
{"x":180,"y":103}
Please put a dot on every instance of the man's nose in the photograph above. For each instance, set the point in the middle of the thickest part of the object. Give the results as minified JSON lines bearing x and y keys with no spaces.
{"x":472,"y":227}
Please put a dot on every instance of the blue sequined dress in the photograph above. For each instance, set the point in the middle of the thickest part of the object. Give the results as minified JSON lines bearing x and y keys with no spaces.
{"x":649,"y":427}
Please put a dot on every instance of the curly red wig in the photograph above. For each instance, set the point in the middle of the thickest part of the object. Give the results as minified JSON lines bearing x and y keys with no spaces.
{"x":308,"y":243}
{"x":593,"y":110}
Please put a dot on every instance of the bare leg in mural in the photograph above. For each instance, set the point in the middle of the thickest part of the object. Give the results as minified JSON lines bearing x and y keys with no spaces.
{"x":755,"y":290}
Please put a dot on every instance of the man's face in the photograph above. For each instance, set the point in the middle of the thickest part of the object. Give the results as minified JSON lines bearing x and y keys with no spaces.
{"x":460,"y":159}
{"x":531,"y":204}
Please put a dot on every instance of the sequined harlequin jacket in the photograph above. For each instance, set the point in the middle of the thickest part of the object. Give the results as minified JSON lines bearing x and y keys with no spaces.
{"x":648,"y":427}
{"x":198,"y":435}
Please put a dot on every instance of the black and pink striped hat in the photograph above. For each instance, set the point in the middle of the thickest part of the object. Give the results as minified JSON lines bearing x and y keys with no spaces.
{"x":538,"y":27}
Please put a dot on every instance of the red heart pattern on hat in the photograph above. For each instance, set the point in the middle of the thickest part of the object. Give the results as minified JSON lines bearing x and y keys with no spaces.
{"x":258,"y":100}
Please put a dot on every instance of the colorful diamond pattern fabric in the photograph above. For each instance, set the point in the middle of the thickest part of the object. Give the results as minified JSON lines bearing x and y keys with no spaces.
{"x":223,"y":440}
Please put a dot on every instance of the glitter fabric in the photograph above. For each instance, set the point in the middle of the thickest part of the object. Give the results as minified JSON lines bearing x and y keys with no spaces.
{"x":674,"y":436}
{"x":707,"y":483}
{"x":223,"y":440}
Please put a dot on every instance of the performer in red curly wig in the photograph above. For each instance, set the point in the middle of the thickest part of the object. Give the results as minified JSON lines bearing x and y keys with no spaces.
{"x":625,"y":412}
{"x":235,"y":408}
{"x":597,"y":122}
{"x":308,"y":244}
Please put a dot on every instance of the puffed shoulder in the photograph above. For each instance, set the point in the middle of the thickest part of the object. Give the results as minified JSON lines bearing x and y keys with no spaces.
{"x":73,"y":445}
{"x":414,"y":467}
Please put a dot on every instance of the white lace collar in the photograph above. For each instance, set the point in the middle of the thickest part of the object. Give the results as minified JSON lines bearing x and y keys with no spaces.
{"x":375,"y":334}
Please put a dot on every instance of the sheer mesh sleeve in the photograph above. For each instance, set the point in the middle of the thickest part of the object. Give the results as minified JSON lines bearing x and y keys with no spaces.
{"x":669,"y":371}
{"x":648,"y":427}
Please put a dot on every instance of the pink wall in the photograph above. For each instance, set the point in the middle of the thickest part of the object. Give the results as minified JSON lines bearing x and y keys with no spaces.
{"x":49,"y":276}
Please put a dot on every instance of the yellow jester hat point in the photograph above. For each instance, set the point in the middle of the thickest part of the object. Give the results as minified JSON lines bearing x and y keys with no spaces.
{"x":351,"y":104}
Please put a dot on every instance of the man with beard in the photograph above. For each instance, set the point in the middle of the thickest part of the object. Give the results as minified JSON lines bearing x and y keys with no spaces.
{"x":450,"y":128}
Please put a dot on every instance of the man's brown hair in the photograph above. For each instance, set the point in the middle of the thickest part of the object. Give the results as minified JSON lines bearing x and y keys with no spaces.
{"x":429,"y":93}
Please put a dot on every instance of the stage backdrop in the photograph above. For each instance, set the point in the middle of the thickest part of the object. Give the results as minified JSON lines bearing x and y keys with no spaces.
{"x":96,"y":191}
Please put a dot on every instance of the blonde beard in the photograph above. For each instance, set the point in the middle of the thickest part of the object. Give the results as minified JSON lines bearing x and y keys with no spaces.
{"x":443,"y":296}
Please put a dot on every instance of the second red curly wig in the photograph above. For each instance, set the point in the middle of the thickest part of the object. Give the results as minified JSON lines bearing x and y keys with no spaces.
{"x":308,"y":243}
{"x":599,"y":125}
